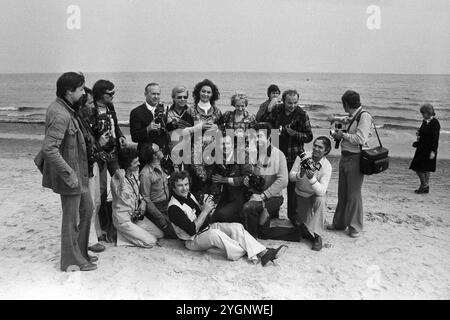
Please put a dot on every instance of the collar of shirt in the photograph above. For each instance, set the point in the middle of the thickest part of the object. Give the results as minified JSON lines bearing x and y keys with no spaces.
{"x":355,"y":112}
{"x":182,"y":200}
{"x":155,"y":168}
{"x":149,"y":107}
{"x":205,"y":107}
{"x":183,"y":110}
{"x":428,"y":120}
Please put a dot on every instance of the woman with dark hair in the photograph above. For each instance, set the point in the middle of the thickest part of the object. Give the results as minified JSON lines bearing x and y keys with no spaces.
{"x":273,"y":93}
{"x":154,"y":188}
{"x":128,"y":205}
{"x":205,"y":115}
{"x":427,"y":143}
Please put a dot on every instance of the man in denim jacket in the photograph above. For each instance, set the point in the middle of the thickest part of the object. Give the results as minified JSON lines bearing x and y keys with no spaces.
{"x":64,"y":167}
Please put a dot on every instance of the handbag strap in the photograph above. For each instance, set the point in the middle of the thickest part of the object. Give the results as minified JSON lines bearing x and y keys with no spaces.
{"x":358,"y":117}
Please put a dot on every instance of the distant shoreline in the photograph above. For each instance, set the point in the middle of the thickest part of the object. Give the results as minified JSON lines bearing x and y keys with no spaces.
{"x":237,"y":71}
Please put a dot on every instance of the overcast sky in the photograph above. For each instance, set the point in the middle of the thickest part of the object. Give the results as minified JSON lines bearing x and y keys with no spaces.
{"x":225,"y":35}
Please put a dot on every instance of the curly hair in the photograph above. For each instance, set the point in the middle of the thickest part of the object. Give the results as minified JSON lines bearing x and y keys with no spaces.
{"x":198,"y":87}
{"x":126,"y":157}
{"x":272,"y":88}
{"x":147,"y":154}
{"x":178,"y":175}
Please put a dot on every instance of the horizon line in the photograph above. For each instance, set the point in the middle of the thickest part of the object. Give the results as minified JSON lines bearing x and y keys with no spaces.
{"x":288,"y":72}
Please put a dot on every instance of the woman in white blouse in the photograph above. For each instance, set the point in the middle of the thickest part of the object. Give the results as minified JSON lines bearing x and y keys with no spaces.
{"x":128,"y":206}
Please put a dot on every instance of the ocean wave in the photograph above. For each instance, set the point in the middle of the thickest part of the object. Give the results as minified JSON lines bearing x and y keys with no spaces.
{"x":16,"y":120}
{"x":397,"y":127}
{"x":390,"y":108}
{"x":314,"y":107}
{"x":128,"y":102}
{"x":20,"y":108}
{"x":394,"y":119}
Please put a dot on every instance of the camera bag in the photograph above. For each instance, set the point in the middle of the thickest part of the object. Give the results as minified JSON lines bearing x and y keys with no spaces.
{"x":373,"y":160}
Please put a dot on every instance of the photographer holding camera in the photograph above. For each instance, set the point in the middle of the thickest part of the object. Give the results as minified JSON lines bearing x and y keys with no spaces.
{"x":105,"y":124}
{"x":349,"y":209}
{"x":271,"y":165}
{"x":129,"y":206}
{"x":97,"y":158}
{"x":295,"y":131}
{"x":311,"y":174}
{"x":148,"y":121}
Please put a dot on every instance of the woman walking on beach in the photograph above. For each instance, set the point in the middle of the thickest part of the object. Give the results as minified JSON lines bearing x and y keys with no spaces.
{"x":424,"y":160}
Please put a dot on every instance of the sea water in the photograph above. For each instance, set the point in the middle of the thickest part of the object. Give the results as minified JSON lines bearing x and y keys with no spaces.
{"x":394,"y":100}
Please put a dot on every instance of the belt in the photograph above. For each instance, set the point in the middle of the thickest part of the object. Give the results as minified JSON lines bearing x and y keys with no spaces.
{"x":348,"y":153}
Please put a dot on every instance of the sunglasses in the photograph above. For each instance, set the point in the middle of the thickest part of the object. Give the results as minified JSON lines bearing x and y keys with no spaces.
{"x":111,"y":94}
{"x":182,"y":97}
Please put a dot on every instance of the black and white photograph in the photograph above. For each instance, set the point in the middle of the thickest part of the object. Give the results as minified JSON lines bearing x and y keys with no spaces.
{"x":224,"y":150}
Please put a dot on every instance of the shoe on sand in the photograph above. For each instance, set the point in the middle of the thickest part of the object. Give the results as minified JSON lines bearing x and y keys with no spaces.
{"x":97,"y":248}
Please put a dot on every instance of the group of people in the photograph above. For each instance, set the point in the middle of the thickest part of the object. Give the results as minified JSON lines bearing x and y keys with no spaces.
{"x":208,"y":178}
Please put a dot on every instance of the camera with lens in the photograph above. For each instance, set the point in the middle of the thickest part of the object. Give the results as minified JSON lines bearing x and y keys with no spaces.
{"x":136,"y":215}
{"x":101,"y":156}
{"x":308,"y":163}
{"x":104,"y":125}
{"x":338,"y":125}
{"x":282,"y":129}
{"x":159,"y":116}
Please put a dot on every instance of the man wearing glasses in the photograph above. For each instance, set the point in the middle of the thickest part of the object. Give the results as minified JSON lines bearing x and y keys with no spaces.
{"x":148,"y":121}
{"x":178,"y":117}
{"x":105,"y":120}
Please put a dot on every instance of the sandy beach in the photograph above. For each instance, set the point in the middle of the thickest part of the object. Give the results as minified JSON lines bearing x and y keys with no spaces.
{"x":402,"y":253}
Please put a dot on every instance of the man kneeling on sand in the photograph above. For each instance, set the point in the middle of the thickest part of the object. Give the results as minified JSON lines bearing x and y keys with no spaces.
{"x":311,"y":188}
{"x":191,"y":224}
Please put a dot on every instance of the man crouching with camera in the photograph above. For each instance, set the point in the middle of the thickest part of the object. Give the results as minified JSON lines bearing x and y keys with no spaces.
{"x":311,"y":174}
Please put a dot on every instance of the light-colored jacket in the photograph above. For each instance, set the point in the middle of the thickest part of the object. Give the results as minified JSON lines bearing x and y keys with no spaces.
{"x":307,"y":187}
{"x":63,"y":159}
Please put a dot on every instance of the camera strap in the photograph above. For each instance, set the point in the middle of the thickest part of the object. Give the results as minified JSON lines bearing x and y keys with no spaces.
{"x":137,"y":194}
{"x":357,"y":117}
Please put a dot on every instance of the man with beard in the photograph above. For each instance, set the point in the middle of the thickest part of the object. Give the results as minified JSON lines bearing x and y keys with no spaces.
{"x":64,"y":165}
{"x":295,"y":131}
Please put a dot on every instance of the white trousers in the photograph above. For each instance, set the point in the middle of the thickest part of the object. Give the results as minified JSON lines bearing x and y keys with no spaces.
{"x":143,"y":233}
{"x":94,"y":190}
{"x":230,"y":237}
